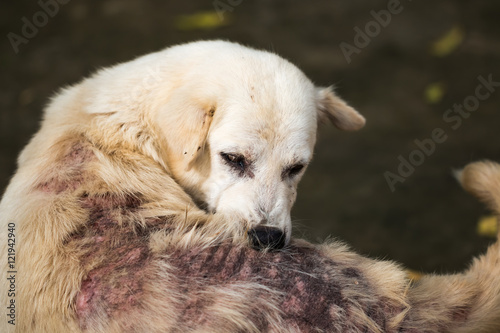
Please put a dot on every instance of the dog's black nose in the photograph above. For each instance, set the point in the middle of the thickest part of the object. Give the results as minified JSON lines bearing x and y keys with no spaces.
{"x":263,"y":237}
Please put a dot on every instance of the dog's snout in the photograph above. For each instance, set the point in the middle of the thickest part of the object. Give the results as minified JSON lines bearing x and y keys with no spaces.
{"x":263,"y":222}
{"x":265,"y":237}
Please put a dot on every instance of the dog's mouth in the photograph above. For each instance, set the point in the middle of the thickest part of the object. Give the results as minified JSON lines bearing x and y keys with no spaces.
{"x":267,"y":238}
{"x":261,"y":237}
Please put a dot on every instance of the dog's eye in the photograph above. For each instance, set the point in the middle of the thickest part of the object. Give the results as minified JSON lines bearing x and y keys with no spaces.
{"x":234,"y":160}
{"x":292,"y":170}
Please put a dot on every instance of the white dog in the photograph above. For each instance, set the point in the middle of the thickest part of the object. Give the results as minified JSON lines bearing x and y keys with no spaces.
{"x":235,"y":127}
{"x":129,"y":212}
{"x":211,"y":135}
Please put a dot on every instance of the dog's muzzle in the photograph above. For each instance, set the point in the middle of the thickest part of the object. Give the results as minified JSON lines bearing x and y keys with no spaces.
{"x":263,"y":237}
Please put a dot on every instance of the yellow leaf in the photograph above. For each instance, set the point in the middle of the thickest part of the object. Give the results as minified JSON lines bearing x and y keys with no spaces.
{"x":448,"y":42}
{"x":434,"y":92}
{"x":414,"y":275}
{"x":488,"y":226}
{"x":201,"y":20}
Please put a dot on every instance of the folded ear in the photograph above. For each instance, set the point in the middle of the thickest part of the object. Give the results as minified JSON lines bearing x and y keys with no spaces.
{"x":332,"y":108}
{"x":185,"y":123}
{"x":196,"y":145}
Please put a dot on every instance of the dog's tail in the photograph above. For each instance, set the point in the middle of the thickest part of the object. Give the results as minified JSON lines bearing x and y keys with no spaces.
{"x":482,"y":179}
{"x":468,"y":302}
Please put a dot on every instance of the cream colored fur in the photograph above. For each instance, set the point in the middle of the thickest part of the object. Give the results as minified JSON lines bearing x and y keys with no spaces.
{"x":156,"y":126}
{"x":145,"y":138}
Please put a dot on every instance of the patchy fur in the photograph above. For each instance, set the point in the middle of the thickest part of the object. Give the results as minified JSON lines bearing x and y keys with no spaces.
{"x":297,"y":289}
{"x":303,"y":288}
{"x":113,"y":206}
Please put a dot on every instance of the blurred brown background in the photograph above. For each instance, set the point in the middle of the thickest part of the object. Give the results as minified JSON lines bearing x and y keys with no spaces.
{"x":404,"y":78}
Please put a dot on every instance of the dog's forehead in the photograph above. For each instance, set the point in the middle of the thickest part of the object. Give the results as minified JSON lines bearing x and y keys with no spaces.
{"x":281,"y":102}
{"x":266,"y":103}
{"x":291,"y":132}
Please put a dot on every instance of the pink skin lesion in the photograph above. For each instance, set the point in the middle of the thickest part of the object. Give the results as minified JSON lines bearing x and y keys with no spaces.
{"x":84,"y":298}
{"x":116,"y":259}
{"x":68,"y":172}
{"x":116,"y":287}
{"x":114,"y":256}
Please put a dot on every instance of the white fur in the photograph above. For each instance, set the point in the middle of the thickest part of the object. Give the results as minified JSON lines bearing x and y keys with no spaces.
{"x":265,"y":109}
{"x":155,"y":127}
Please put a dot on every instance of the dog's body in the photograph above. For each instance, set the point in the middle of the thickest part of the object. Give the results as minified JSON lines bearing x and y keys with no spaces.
{"x":109,"y":236}
{"x":212,"y":135}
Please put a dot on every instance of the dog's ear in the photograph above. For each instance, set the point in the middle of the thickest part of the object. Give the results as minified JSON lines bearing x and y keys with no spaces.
{"x":332,"y":108}
{"x":196,"y":143}
{"x":186,"y":123}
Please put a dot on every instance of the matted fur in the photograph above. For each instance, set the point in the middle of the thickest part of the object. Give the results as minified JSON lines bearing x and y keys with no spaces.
{"x":109,"y":238}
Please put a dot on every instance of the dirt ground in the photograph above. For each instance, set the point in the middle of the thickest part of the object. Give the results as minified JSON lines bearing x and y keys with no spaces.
{"x":404,"y":75}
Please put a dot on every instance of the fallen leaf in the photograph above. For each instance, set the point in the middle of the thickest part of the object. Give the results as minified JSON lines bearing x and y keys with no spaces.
{"x":447,"y":43}
{"x":201,"y":21}
{"x":434,"y":92}
{"x":488,"y":226}
{"x":414,"y":275}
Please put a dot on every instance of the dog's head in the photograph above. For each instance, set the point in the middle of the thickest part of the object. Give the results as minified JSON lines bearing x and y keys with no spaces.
{"x":240,"y":127}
